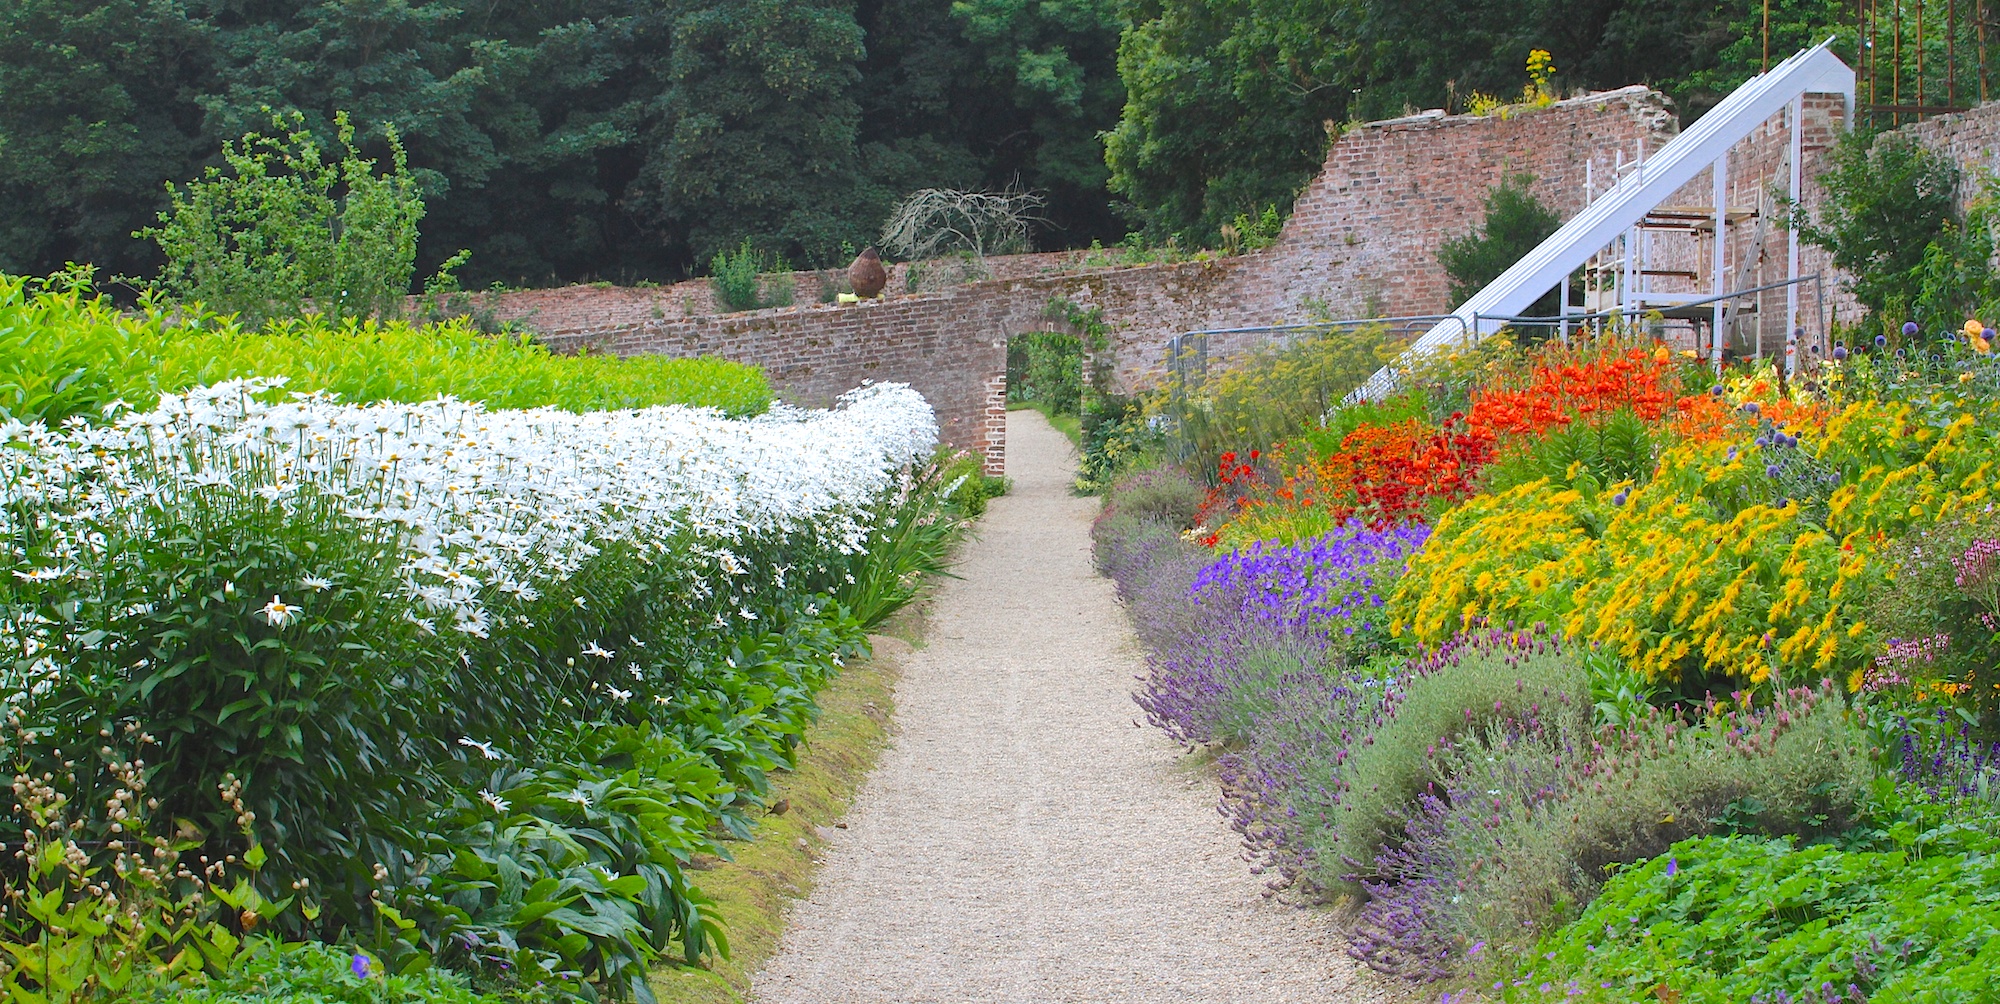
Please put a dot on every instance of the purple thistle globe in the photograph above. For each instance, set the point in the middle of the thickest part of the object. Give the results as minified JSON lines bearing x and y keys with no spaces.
{"x":1618,"y":499}
{"x":1840,"y":352}
{"x":1881,"y":341}
{"x":1909,"y":328}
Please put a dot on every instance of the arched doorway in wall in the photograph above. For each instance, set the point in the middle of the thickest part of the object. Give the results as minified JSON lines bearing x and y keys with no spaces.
{"x":1045,"y":373}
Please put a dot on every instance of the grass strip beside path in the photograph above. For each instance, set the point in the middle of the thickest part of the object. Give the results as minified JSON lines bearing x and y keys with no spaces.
{"x":753,"y":891}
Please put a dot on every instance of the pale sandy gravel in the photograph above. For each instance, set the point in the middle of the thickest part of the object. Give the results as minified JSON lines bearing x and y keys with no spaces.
{"x":1023,"y":840}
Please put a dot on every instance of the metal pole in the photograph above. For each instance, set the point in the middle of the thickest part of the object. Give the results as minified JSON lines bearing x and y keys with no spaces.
{"x":1979,"y":19}
{"x":1920,"y":56}
{"x":1767,"y":38}
{"x":1721,"y":175}
{"x":1896,"y":63}
{"x":1950,"y":57}
{"x":1792,"y":236}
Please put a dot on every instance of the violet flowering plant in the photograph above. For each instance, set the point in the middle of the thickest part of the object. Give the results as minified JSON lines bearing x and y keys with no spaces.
{"x":1941,"y":760}
{"x":1303,"y":607}
{"x":1329,"y":578}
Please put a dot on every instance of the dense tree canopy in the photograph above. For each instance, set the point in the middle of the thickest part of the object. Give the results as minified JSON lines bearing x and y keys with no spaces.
{"x":564,"y":139}
{"x":629,"y":139}
{"x":1231,"y":101}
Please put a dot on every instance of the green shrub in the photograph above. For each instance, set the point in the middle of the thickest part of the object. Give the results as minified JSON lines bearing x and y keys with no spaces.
{"x":740,"y":283}
{"x":1516,"y":221}
{"x":1525,"y":818}
{"x":286,"y":231}
{"x":1892,"y":220}
{"x":1444,"y":697}
{"x":1117,"y":435}
{"x":1253,"y":233}
{"x":1163,"y":494}
{"x":66,"y":351}
{"x":1046,"y":367}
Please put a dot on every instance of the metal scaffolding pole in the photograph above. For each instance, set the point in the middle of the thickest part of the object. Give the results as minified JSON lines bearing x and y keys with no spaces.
{"x":1721,"y":237}
{"x":1792,"y":239}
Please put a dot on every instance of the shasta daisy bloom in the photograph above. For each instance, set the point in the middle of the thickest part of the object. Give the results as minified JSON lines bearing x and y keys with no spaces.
{"x":279,"y":613}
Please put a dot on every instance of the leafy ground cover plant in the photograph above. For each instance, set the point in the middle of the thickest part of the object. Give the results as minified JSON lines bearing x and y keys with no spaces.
{"x":309,"y":973}
{"x":67,"y":351}
{"x":1748,"y":919}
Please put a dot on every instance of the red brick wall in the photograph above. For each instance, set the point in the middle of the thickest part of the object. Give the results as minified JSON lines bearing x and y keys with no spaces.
{"x":1364,"y":236}
{"x":1362,"y":240}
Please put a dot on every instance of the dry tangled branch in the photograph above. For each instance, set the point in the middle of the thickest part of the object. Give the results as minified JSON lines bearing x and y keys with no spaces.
{"x":937,"y":221}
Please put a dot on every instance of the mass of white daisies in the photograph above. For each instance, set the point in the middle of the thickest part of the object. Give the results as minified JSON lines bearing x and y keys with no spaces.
{"x":468,"y":500}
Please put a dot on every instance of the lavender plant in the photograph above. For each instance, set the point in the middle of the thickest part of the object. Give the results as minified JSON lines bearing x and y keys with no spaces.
{"x":1524,"y":819}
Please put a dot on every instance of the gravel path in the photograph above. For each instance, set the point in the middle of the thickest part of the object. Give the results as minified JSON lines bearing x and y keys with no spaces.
{"x":1022,"y":840}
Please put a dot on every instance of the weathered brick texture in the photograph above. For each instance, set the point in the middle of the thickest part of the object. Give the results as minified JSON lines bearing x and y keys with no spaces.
{"x":1362,"y":241}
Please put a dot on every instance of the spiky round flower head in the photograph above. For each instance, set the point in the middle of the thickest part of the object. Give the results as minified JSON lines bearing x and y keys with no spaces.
{"x":1881,"y":341}
{"x":1771,"y":470}
{"x":1715,"y":391}
{"x":1618,"y":499}
{"x":1751,"y":407}
{"x":1840,"y":352}
{"x":1909,"y":329}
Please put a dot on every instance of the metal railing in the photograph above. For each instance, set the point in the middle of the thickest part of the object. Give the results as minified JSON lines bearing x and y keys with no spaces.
{"x":1188,"y":355}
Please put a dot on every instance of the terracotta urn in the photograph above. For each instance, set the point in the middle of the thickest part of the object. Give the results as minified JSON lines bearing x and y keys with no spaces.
{"x":866,"y":275}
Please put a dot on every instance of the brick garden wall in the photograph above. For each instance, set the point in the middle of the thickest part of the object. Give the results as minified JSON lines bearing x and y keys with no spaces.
{"x":1364,"y":236}
{"x":1362,"y":240}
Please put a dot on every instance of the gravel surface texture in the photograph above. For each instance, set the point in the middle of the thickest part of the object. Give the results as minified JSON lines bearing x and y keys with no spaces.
{"x":1023,"y":840}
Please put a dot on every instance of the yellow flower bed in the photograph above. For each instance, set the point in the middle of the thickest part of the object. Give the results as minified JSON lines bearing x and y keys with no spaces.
{"x":1677,"y":581}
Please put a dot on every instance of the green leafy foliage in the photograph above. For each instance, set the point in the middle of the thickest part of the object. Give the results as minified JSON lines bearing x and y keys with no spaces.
{"x":1515,"y":222}
{"x":287,"y":230}
{"x":579,"y":139}
{"x":923,"y":515}
{"x":1046,"y":367}
{"x":271,"y":972}
{"x":66,"y":351}
{"x":1742,"y":918}
{"x":1618,"y":448}
{"x":740,"y":283}
{"x":1892,"y":221}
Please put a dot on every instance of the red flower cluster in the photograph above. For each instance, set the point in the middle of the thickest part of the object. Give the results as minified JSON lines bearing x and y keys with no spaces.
{"x":1390,"y":474}
{"x":1555,"y":396}
{"x":1237,"y":482}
